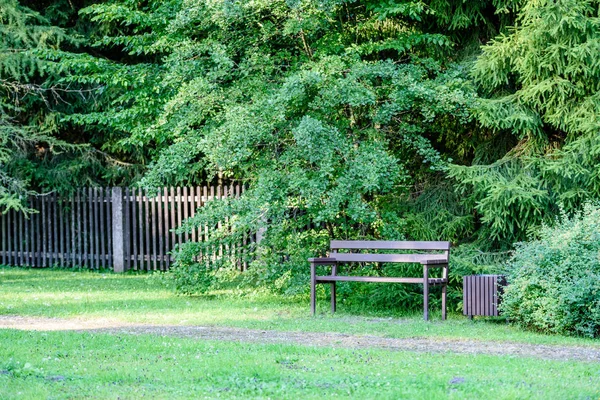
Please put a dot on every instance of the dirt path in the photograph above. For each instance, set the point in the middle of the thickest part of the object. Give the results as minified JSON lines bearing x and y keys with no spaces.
{"x":328,"y":339}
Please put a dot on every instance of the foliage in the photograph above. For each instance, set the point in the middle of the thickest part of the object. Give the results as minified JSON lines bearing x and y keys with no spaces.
{"x":555,"y":279}
{"x":327,"y":144}
{"x":36,"y":153}
{"x":540,"y":81}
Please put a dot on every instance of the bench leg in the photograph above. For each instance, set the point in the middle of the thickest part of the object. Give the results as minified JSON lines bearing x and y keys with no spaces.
{"x":313,"y":283}
{"x":333,"y":299}
{"x":444,"y":288}
{"x":426,"y":292}
{"x":444,"y":291}
{"x":333,"y":294}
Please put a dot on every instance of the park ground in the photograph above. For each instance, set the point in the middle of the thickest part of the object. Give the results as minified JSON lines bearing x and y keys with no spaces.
{"x":81,"y":334}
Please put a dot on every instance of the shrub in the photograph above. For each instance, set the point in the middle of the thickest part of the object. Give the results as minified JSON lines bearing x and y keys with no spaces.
{"x":555,"y":280}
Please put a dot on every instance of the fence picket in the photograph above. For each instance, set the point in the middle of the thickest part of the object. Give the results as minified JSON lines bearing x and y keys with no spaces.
{"x":172,"y":213}
{"x":134,"y":231}
{"x":147,"y":246}
{"x":166,"y":233}
{"x":102,"y":252}
{"x":10,"y":237}
{"x":54,"y":244}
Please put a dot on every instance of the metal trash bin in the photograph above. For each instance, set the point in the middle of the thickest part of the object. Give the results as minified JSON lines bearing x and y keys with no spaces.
{"x":481,"y":294}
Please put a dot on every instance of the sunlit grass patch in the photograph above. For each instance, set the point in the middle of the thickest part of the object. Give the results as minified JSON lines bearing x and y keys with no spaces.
{"x":144,"y":298}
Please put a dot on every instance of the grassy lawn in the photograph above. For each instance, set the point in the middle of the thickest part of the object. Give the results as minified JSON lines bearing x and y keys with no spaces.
{"x":81,"y":365}
{"x":78,"y":365}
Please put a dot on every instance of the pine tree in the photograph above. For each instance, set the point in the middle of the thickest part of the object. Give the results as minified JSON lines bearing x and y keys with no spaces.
{"x":540,"y":83}
{"x":26,"y":98}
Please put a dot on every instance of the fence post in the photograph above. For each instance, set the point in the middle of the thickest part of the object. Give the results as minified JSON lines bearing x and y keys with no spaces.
{"x":118,"y":230}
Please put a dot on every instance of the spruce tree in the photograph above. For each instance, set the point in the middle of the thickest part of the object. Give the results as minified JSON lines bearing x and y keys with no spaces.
{"x":540,"y":85}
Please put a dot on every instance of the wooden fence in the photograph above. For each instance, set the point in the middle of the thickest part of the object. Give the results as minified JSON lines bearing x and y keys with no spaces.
{"x":119,"y":228}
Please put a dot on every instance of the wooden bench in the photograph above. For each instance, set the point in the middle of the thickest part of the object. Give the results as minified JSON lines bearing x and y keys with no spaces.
{"x":439,"y":259}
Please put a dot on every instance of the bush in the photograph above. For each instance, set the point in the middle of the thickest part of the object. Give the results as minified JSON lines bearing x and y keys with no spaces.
{"x":555,"y":280}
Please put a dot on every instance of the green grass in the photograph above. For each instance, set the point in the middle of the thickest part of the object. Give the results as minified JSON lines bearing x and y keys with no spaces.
{"x":76,"y":365}
{"x":70,"y":364}
{"x":145,"y":299}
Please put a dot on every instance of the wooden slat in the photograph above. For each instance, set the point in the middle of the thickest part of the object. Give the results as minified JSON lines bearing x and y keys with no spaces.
{"x":173,"y":213}
{"x":494,"y":308}
{"x":101,"y":226}
{"x":198,"y":206}
{"x":199,"y":229}
{"x":15,"y":223}
{"x":72,"y":259}
{"x":53,"y":216}
{"x":126,"y":202}
{"x":79,"y":212}
{"x":134,"y":231}
{"x":38,"y":232}
{"x":61,"y":233}
{"x":96,"y":231}
{"x":10,"y":237}
{"x":32,"y":232}
{"x":90,"y":232}
{"x":220,"y":224}
{"x":239,"y":248}
{"x":179,"y":213}
{"x":227,"y":247}
{"x":27,"y":233}
{"x":4,"y":218}
{"x":55,"y":221}
{"x":382,"y":279}
{"x":48,"y":229}
{"x":476,"y":295}
{"x":44,"y":218}
{"x":85,"y":229}
{"x":214,"y":247}
{"x":65,"y":213}
{"x":388,"y":245}
{"x":15,"y":237}
{"x":166,"y":216}
{"x":186,"y":206}
{"x":21,"y":238}
{"x":66,"y":221}
{"x":109,"y":226}
{"x":153,"y":223}
{"x":205,"y":233}
{"x":488,"y":297}
{"x":140,"y":228}
{"x":192,"y":204}
{"x":147,"y":247}
{"x":160,"y":220}
{"x":405,"y":258}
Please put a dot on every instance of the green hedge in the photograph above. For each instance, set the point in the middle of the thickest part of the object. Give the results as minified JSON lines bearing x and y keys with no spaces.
{"x":555,"y":280}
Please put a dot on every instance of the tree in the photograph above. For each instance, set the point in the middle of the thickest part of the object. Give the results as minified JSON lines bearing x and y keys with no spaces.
{"x":540,"y":83}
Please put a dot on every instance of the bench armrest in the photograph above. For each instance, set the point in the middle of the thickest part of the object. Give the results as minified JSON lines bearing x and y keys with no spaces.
{"x":322,"y":260}
{"x":435,"y":263}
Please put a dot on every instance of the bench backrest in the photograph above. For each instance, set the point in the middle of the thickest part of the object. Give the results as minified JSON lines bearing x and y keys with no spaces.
{"x":442,"y":250}
{"x":388,"y":245}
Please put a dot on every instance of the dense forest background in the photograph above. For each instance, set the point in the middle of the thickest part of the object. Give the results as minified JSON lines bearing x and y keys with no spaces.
{"x":470,"y":121}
